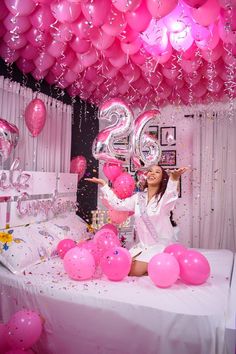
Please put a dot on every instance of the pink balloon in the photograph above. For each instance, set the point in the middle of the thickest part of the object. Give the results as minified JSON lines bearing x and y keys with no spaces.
{"x":111,"y":227}
{"x":80,"y":45}
{"x":163,"y":269}
{"x":4,"y":346}
{"x":96,"y":11}
{"x":89,"y":58}
{"x":128,"y":35}
{"x":139,"y":19}
{"x":24,"y":329}
{"x":21,"y":8}
{"x":117,"y":216}
{"x":100,"y":39}
{"x":14,"y":42}
{"x":92,"y":247}
{"x":64,"y":246}
{"x":124,"y":185}
{"x":119,"y":60}
{"x":194,"y":267}
{"x":26,"y":66}
{"x":65,"y":11}
{"x":44,"y":61}
{"x":62,"y":32}
{"x":42,"y":18}
{"x":37,"y":37}
{"x":114,"y":23}
{"x":29,"y":52}
{"x":18,"y":24}
{"x":159,"y":9}
{"x":105,"y":240}
{"x":78,"y":165}
{"x":195,"y":3}
{"x":56,"y":48}
{"x":112,"y":171}
{"x":79,"y":264}
{"x":182,"y":41}
{"x":35,"y":116}
{"x":124,"y":5}
{"x":3,"y":10}
{"x":131,"y":48}
{"x":207,"y":13}
{"x":116,"y":263}
{"x":175,"y":249}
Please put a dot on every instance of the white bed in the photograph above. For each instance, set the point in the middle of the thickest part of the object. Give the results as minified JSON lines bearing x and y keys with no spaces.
{"x":128,"y":317}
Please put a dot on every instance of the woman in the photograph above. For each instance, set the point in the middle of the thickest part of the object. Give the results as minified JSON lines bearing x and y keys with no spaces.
{"x":151,"y":212}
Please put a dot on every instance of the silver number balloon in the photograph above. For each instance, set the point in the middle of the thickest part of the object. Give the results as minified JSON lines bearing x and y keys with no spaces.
{"x":9,"y":136}
{"x":104,"y":144}
{"x":146,"y":149}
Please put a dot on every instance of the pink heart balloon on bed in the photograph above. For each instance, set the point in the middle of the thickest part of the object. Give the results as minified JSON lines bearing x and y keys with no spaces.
{"x":35,"y":116}
{"x":78,"y":165}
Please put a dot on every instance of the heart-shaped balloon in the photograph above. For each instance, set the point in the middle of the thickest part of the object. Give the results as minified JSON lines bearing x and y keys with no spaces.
{"x":35,"y":116}
{"x":9,"y":136}
{"x":78,"y":165}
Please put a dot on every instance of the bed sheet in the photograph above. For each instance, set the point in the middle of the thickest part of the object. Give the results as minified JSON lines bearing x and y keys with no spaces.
{"x":129,"y":317}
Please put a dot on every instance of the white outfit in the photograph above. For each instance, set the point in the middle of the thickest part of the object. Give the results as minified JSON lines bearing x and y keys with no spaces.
{"x":152,"y":220}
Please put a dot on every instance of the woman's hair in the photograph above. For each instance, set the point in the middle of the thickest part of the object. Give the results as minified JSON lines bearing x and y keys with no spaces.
{"x":173,"y":223}
{"x":163,"y":184}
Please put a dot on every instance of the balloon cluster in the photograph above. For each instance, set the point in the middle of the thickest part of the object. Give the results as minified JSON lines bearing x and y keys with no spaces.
{"x":175,"y":262}
{"x":104,"y":251}
{"x":143,"y":50}
{"x":20,"y":333}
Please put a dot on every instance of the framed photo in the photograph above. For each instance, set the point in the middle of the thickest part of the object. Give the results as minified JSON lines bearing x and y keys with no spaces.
{"x":122,"y":141}
{"x":168,"y":158}
{"x":131,"y":166}
{"x":168,"y":136}
{"x":180,"y":182}
{"x":154,"y":130}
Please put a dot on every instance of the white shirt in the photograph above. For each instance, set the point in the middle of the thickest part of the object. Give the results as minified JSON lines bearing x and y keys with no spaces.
{"x":158,"y":215}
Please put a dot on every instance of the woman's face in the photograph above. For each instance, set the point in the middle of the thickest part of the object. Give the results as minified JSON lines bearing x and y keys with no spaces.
{"x":154,"y":175}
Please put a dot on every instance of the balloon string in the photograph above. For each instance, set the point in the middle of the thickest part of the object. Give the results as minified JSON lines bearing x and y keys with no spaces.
{"x":35,"y":146}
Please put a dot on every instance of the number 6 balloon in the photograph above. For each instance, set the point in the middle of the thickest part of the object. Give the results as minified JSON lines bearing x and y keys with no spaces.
{"x":146,"y":149}
{"x":103,"y":145}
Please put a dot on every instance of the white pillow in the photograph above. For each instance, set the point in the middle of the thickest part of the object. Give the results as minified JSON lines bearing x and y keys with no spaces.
{"x":23,"y":246}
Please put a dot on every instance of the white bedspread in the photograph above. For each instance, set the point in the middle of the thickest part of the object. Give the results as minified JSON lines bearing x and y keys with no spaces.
{"x":128,"y":317}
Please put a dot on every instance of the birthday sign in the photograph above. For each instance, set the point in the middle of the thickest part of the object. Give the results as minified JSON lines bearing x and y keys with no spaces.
{"x":7,"y":181}
{"x":27,"y":197}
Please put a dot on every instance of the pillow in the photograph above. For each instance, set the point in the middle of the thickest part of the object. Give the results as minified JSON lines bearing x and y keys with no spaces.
{"x":23,"y":246}
{"x":69,"y":226}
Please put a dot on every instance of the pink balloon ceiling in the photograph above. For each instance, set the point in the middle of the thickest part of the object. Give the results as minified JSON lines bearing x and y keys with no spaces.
{"x":160,"y":51}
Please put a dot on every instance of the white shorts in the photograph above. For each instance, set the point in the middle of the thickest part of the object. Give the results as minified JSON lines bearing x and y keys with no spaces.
{"x":144,"y":253}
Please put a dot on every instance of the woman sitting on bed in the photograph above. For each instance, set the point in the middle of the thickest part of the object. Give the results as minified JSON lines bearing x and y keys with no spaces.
{"x":151,"y":212}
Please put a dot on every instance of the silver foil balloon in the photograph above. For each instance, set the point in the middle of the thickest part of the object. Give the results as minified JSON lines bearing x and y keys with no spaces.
{"x":146,"y":149}
{"x":9,"y":136}
{"x":105,"y":145}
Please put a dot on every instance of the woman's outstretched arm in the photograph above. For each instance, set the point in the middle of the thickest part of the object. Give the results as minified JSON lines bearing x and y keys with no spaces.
{"x":127,"y":204}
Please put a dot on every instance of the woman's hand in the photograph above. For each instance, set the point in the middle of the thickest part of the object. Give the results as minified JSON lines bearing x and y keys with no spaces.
{"x":96,"y":180}
{"x":175,"y":174}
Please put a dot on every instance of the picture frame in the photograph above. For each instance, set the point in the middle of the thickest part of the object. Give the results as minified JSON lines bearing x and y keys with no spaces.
{"x":168,"y":158}
{"x":122,"y":142}
{"x":131,"y":166}
{"x":168,"y":136}
{"x":154,"y":130}
{"x":180,"y":182}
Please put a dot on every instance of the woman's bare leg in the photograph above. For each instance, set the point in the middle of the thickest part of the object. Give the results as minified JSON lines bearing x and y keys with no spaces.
{"x":138,"y":268}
